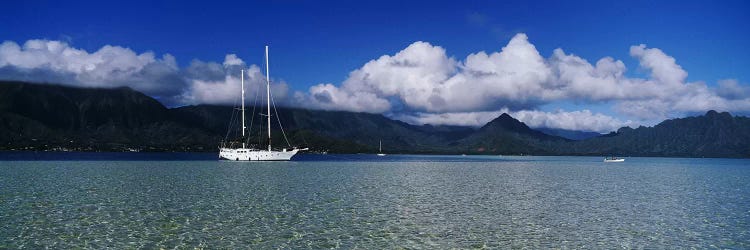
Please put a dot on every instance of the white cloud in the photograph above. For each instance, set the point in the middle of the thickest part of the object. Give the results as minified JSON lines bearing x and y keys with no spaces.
{"x":665,"y":94}
{"x":423,"y":80}
{"x":583,"y":120}
{"x":419,"y":84}
{"x":113,"y":66}
{"x":578,"y":79}
{"x":232,"y":60}
{"x":327,"y":96}
{"x":473,"y":119}
{"x":46,"y":61}
{"x":732,"y":90}
{"x":514,"y":77}
{"x":414,"y":74}
{"x":227,"y":90}
{"x":664,"y":68}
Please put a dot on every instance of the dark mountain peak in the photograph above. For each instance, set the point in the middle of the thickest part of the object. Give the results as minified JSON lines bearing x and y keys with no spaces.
{"x":718,"y":115}
{"x":506,"y":135}
{"x":507,"y":122}
{"x":506,"y":116}
{"x":624,"y":130}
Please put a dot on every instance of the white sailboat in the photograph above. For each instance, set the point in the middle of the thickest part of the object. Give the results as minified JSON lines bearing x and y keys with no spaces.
{"x":381,"y":148}
{"x":257,"y":154}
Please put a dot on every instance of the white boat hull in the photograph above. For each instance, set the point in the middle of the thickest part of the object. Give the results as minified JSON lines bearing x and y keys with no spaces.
{"x":615,"y":160}
{"x":246,"y":154}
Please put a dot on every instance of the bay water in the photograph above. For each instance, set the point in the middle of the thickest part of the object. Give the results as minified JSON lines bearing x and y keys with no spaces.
{"x":136,"y":200}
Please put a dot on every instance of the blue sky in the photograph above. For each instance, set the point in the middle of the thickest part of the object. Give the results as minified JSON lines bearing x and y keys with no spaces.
{"x":322,"y":42}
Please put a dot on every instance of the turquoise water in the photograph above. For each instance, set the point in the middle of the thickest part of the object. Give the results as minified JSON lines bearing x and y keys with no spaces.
{"x":360,"y":201}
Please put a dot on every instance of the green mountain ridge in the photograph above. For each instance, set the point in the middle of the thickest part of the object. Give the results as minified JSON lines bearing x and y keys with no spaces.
{"x":711,"y":135}
{"x":569,"y":134}
{"x":54,"y":117}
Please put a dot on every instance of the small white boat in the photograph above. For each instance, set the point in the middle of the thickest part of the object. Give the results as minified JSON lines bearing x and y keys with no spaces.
{"x":381,"y":148}
{"x":614,"y":159}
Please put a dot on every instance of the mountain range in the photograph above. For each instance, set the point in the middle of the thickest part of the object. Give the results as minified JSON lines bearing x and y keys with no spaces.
{"x":55,"y":117}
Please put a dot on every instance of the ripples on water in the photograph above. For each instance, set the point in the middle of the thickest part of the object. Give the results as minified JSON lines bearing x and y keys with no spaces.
{"x":374,"y":203}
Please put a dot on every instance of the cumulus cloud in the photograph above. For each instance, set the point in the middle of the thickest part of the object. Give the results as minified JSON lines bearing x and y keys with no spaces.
{"x":327,"y":96}
{"x":664,"y":68}
{"x":429,"y":86}
{"x":57,"y":62}
{"x":227,"y":89}
{"x":50,"y":61}
{"x":583,"y":120}
{"x":472,"y":119}
{"x":424,"y":78}
{"x":206,"y":71}
{"x":411,"y":73}
{"x":732,"y":90}
{"x":232,"y":60}
{"x":419,"y":84}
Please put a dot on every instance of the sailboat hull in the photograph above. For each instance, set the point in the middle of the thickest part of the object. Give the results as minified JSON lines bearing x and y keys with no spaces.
{"x":248,"y":154}
{"x":245,"y":154}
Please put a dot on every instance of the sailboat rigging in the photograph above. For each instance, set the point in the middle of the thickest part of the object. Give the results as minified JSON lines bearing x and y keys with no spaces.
{"x":257,"y":154}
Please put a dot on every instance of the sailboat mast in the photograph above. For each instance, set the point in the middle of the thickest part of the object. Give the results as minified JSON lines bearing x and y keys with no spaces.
{"x":242,"y":72}
{"x":268,"y":100}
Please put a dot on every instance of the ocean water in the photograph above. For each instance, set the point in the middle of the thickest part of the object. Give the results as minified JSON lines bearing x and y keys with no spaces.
{"x":92,"y":200}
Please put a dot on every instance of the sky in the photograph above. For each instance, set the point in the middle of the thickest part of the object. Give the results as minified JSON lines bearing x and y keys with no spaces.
{"x":580,"y":65}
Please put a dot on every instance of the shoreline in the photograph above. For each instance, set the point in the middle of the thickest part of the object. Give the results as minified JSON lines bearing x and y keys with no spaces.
{"x":27,"y":155}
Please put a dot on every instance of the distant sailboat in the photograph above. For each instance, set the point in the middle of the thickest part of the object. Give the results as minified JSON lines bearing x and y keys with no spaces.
{"x":257,"y":154}
{"x":381,"y":148}
{"x":613,"y":159}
